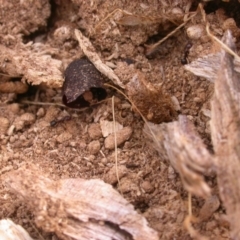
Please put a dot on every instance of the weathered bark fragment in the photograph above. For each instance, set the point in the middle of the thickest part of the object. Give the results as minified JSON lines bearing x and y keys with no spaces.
{"x":225,"y":129}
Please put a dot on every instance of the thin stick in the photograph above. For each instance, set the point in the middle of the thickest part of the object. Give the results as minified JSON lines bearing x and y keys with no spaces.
{"x":189,"y":204}
{"x":115,"y":144}
{"x":6,"y":75}
{"x":43,"y":103}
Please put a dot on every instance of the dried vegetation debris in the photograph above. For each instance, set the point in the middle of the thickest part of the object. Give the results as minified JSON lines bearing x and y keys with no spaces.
{"x":32,"y":63}
{"x":116,"y":38}
{"x":152,"y":103}
{"x":87,"y":208}
{"x":191,"y":158}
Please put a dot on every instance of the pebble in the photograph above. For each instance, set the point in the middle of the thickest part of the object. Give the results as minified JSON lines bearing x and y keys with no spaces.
{"x":121,"y":136}
{"x":94,"y":147}
{"x":65,"y":136}
{"x":209,"y":207}
{"x":147,"y":187}
{"x":95,"y":131}
{"x":111,"y":176}
{"x":4,"y":125}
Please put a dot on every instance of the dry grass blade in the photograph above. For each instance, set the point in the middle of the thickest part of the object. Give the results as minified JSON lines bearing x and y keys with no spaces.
{"x":115,"y":143}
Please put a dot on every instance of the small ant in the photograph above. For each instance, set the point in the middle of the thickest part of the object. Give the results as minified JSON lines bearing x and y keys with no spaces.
{"x":186,"y":52}
{"x":54,"y":123}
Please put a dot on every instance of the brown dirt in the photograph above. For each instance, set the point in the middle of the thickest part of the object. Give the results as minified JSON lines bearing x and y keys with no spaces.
{"x":75,"y":148}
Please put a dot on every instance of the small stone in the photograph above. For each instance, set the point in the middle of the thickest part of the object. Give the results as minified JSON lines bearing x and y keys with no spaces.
{"x":196,"y":31}
{"x":14,"y":108}
{"x":95,"y":131}
{"x":121,"y":136}
{"x":4,"y":125}
{"x":111,"y":176}
{"x":209,"y":207}
{"x":94,"y":147}
{"x":147,"y":187}
{"x":40,"y":113}
{"x":65,"y":136}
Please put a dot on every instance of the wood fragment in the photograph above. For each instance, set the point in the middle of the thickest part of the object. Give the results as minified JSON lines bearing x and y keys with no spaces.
{"x":225,"y":129}
{"x":91,"y":54}
{"x":178,"y":142}
{"x":78,"y":208}
{"x":208,"y":66}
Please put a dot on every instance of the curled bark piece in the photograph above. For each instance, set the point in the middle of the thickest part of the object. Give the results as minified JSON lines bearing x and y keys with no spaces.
{"x":178,"y":142}
{"x":225,"y":128}
{"x":83,"y":84}
{"x":78,"y":208}
{"x":90,"y":52}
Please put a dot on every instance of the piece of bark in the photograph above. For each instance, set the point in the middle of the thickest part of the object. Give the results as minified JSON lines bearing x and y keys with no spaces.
{"x":11,"y":231}
{"x":208,"y":66}
{"x":225,"y":129}
{"x":179,"y":143}
{"x":78,"y":208}
{"x":33,"y":67}
{"x":92,"y":55}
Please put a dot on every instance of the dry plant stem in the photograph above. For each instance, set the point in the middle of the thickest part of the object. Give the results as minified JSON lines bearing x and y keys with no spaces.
{"x":189,"y":204}
{"x":115,"y":143}
{"x":225,"y":128}
{"x":43,"y":103}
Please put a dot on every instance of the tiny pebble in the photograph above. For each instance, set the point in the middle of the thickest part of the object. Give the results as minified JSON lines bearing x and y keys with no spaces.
{"x":94,"y":147}
{"x":121,"y":136}
{"x":147,"y":187}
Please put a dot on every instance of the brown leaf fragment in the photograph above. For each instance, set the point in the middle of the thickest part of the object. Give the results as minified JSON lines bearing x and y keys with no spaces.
{"x":78,"y":209}
{"x":225,"y":128}
{"x":83,"y":84}
{"x":155,"y":106}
